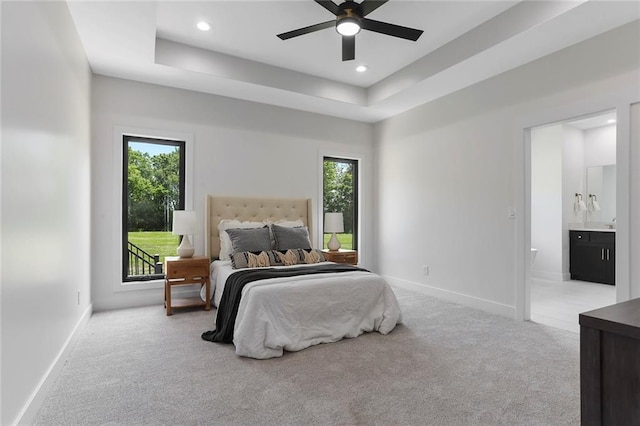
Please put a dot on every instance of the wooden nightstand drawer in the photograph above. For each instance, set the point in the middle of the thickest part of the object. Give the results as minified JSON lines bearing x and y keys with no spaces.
{"x":341,"y":256}
{"x":192,"y":267}
{"x":186,"y":271}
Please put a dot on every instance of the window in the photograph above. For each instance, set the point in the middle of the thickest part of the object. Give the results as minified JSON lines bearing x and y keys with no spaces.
{"x":153,"y":187}
{"x":340,"y":192}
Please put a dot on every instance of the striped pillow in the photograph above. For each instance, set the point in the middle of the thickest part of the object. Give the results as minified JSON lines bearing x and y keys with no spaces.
{"x":261,"y":259}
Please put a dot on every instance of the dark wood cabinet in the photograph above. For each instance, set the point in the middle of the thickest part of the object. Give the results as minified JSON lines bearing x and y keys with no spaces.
{"x":593,"y":256}
{"x":610,"y":365}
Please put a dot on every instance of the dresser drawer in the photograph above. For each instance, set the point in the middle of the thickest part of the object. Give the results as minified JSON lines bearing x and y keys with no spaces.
{"x":187,"y":267}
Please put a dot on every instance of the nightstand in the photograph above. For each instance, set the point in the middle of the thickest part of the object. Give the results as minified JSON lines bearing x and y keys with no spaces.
{"x":341,"y":256}
{"x":186,"y":271}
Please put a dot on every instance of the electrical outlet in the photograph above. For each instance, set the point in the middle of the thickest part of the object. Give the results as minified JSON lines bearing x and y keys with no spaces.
{"x":425,"y":270}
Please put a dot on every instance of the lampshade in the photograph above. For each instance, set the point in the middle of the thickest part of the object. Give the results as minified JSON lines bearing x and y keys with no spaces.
{"x":333,"y":222}
{"x":185,"y":222}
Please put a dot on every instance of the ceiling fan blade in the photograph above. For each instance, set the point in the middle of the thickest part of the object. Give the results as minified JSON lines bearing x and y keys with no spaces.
{"x":329,"y":5}
{"x":307,"y":30}
{"x":391,"y":29}
{"x":348,"y":48}
{"x":369,"y":6}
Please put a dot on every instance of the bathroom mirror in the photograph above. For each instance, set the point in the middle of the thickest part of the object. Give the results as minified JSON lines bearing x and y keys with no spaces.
{"x":601,"y":193}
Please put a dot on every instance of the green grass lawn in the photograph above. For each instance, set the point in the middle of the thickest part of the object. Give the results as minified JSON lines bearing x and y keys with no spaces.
{"x":162,"y":243}
{"x":345,"y":240}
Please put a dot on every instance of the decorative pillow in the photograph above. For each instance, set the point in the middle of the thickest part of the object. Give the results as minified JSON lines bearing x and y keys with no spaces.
{"x":255,"y":240}
{"x":246,"y":259}
{"x":312,"y":256}
{"x":225,"y":241}
{"x":286,"y":258}
{"x":282,"y":222}
{"x":275,"y":258}
{"x":291,"y":238}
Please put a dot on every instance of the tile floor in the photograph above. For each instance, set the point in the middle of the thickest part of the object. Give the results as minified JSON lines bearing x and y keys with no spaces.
{"x":558,"y":303}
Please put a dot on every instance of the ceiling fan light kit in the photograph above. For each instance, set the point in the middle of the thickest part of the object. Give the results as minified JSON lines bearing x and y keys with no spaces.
{"x":350,"y":19}
{"x":348,"y":26}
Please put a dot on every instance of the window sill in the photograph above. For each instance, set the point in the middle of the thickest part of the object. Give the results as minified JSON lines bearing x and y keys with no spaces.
{"x":140,"y":285}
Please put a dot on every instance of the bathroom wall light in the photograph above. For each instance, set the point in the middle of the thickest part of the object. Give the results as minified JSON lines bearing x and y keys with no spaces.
{"x":594,"y":205}
{"x":579,"y":205}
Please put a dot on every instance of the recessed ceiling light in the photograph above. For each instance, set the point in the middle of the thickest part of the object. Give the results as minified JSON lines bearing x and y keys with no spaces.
{"x":203,"y":26}
{"x":361,"y":68}
{"x":611,"y":121}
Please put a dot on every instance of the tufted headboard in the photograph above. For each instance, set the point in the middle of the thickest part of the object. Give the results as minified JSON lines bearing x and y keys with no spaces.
{"x":217,"y":208}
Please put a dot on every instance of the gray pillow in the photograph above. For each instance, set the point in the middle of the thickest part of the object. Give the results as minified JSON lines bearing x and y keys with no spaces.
{"x":255,"y":239}
{"x":291,"y":238}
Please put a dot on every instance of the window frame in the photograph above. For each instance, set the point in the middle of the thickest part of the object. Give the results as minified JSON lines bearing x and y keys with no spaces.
{"x":115,"y":242}
{"x":126,"y":139}
{"x":356,"y":161}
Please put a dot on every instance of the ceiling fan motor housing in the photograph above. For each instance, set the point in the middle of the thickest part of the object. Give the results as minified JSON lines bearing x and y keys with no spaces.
{"x":349,"y":12}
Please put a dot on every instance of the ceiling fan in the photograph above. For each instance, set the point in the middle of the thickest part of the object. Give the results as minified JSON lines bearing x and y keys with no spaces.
{"x":350,"y":19}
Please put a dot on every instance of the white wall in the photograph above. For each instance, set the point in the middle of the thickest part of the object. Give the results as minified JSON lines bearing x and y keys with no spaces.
{"x":45,"y":195}
{"x":600,"y":146}
{"x":240,"y":149}
{"x":449,"y":170}
{"x":573,"y":181}
{"x":546,"y":200}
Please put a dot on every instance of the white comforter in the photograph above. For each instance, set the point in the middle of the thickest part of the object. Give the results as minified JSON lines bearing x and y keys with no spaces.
{"x":294,"y":313}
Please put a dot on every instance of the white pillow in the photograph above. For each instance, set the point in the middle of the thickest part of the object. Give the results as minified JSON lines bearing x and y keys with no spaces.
{"x":225,"y":242}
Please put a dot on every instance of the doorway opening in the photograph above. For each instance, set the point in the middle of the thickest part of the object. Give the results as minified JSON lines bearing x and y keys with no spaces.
{"x":573,"y":218}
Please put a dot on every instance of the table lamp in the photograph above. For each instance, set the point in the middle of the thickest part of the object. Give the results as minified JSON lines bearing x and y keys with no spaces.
{"x":185,"y":223}
{"x":333,"y":222}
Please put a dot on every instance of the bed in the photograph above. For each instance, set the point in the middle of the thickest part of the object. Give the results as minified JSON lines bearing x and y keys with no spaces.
{"x":326,"y":303}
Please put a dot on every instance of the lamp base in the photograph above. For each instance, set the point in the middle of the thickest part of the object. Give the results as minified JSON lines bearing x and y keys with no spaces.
{"x":185,"y":249}
{"x":333,"y":244}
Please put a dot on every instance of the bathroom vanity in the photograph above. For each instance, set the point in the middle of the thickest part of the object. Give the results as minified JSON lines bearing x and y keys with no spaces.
{"x":593,"y":256}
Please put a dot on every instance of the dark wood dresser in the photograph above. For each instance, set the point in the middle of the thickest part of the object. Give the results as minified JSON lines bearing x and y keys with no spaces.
{"x":610,"y":365}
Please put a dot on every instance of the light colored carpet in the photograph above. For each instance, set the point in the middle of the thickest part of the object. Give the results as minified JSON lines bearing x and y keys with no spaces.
{"x":446,"y":365}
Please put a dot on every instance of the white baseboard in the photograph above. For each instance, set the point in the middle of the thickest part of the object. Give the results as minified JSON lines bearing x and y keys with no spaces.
{"x":551,"y":276}
{"x":136,"y":299}
{"x":30,"y":410}
{"x":459,"y":298}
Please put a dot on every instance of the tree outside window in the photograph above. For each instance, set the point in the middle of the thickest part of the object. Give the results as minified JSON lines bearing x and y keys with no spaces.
{"x":153,"y":187}
{"x":340,"y":194}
